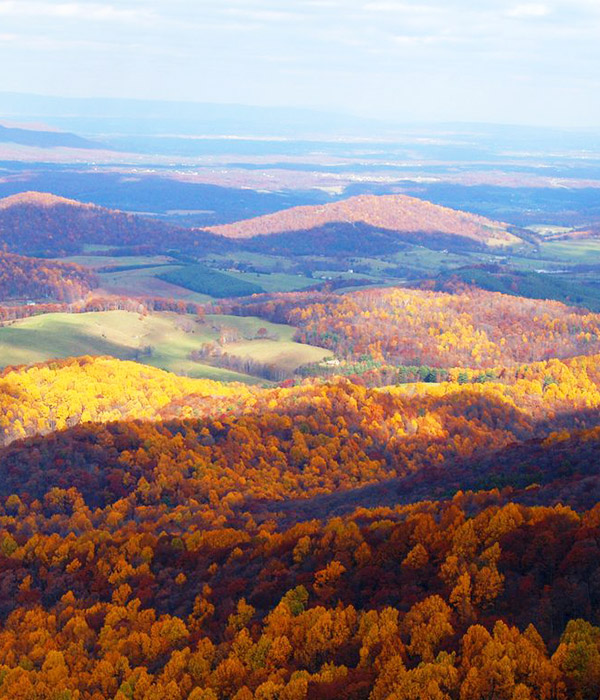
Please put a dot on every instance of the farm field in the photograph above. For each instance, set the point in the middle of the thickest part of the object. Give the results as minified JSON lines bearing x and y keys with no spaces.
{"x":206,"y":280}
{"x":586,"y":250}
{"x":276,"y":281}
{"x":145,"y":282}
{"x":207,"y":276}
{"x":405,"y":504}
{"x":100,"y":261}
{"x":286,"y":355}
{"x":163,"y":340}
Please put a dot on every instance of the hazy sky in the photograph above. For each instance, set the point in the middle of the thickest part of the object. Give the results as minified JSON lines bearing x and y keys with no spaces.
{"x":471,"y":60}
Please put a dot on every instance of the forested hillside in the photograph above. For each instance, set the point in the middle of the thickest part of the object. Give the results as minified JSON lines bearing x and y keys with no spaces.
{"x":300,"y":402}
{"x":413,"y":517}
{"x":38,"y":223}
{"x":416,"y":327}
{"x":195,"y":557}
{"x":534,"y":285}
{"x":284,"y":442}
{"x":388,"y":212}
{"x":33,"y":278}
{"x":52,"y":396}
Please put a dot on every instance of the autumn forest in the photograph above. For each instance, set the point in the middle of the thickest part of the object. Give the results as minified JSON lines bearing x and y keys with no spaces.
{"x":359,"y":489}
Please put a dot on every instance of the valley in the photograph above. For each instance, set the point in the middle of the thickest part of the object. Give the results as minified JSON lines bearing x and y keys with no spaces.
{"x":291,"y":418}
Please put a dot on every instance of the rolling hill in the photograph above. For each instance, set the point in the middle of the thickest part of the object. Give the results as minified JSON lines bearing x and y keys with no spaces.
{"x":32,"y":278}
{"x":398,"y":213}
{"x":471,"y":328}
{"x":530,"y":284}
{"x":165,"y":340}
{"x":44,"y":224}
{"x":165,"y":537}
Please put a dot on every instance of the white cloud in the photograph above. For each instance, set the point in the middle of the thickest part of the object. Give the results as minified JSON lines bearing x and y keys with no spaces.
{"x":28,"y":42}
{"x":322,"y":3}
{"x":529,"y":11}
{"x":400,"y":7}
{"x":71,"y":10}
{"x":264,"y":15}
{"x":404,"y":40}
{"x":334,"y":50}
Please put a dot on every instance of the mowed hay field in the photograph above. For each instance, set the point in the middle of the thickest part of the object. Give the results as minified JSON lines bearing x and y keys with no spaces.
{"x":582,"y":250}
{"x":162,"y":340}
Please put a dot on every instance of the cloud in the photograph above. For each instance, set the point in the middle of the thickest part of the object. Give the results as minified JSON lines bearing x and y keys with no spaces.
{"x":400,"y":7}
{"x":408,"y":40}
{"x":264,"y":15}
{"x":334,"y":51}
{"x":28,"y":42}
{"x":323,"y":3}
{"x":529,"y":11}
{"x":71,"y":10}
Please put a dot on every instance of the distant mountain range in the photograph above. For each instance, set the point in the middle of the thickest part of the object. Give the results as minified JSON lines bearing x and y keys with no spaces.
{"x":45,"y":139}
{"x":138,"y":117}
{"x":148,"y":117}
{"x":44,"y":224}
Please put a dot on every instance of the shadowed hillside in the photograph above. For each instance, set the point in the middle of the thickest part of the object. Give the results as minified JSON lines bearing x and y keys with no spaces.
{"x":156,"y":556}
{"x":390,"y":212}
{"x":41,"y":223}
{"x":343,"y":238}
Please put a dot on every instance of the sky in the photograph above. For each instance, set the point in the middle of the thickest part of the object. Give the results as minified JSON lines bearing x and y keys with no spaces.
{"x":500,"y":61}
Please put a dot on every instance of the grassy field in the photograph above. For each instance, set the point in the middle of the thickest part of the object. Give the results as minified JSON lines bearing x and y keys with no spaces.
{"x":581,"y":292}
{"x":145,"y":282}
{"x":585,"y":250}
{"x":278,"y":349}
{"x":272,"y":263}
{"x":427,"y":260}
{"x":248,"y":326}
{"x":286,"y":355}
{"x":96,"y":261}
{"x":214,"y":276}
{"x":276,"y":281}
{"x":162,"y":340}
{"x":206,"y":280}
{"x":549,"y":229}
